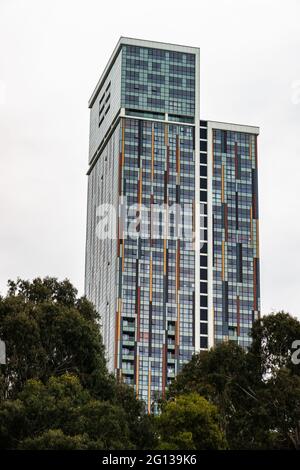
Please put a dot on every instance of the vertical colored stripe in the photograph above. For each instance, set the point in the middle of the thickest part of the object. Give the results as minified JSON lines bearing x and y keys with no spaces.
{"x":177,"y":286}
{"x":177,"y":155}
{"x":150,"y":280}
{"x":152,"y":154}
{"x":140,"y":186}
{"x":257,"y":238}
{"x":236,"y":210}
{"x":223,"y":260}
{"x":137,"y":375}
{"x":164,"y":369}
{"x":166,"y":135}
{"x":123,"y":255}
{"x":222,"y":184}
{"x":118,"y":332}
{"x":254,"y":284}
{"x":236,"y":160}
{"x":116,"y":340}
{"x":165,"y":256}
{"x":138,"y":312}
{"x":149,"y":391}
{"x":119,"y":319}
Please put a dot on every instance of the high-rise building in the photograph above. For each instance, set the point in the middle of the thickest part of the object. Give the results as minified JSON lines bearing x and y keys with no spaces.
{"x":172,"y":252}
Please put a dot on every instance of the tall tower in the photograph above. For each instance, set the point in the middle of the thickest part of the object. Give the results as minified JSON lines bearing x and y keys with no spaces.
{"x":172,"y":223}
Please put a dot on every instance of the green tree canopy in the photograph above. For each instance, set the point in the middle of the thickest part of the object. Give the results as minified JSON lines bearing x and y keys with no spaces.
{"x":272,"y":339}
{"x":257,"y":392}
{"x":49,"y":332}
{"x":61,"y":414}
{"x":190,"y":422}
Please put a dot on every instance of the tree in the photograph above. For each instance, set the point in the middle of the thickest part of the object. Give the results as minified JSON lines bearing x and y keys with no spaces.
{"x":190,"y":422}
{"x":282,"y":398}
{"x":223,"y":376}
{"x":55,"y":439}
{"x":49,"y":331}
{"x":212,"y":373}
{"x":257,"y":392}
{"x":62,"y":414}
{"x":272,"y":339}
{"x":141,"y":426}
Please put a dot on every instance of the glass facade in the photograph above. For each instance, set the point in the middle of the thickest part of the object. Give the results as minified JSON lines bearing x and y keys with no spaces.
{"x":101,"y":254}
{"x":159,"y":81}
{"x":166,"y":295}
{"x":144,"y":287}
{"x":236,"y":295}
{"x":156,"y":275}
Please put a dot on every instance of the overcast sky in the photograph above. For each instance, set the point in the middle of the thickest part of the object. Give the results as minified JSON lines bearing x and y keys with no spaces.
{"x":52,"y":54}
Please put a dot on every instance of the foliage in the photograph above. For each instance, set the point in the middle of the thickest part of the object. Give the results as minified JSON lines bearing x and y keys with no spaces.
{"x":190,"y":422}
{"x":56,"y":392}
{"x":272,"y":339}
{"x":61,"y":412}
{"x":257,"y":392}
{"x":55,"y":439}
{"x":49,"y":333}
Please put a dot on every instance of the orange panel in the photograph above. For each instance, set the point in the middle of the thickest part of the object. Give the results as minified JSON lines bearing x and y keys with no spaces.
{"x":166,"y":135}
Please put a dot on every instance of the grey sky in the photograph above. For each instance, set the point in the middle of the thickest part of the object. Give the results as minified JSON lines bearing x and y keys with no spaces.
{"x":52,"y":54}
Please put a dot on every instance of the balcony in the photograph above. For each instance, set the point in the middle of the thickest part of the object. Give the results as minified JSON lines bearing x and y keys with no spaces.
{"x":127,"y":368}
{"x":171,"y":358}
{"x":128,"y":353}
